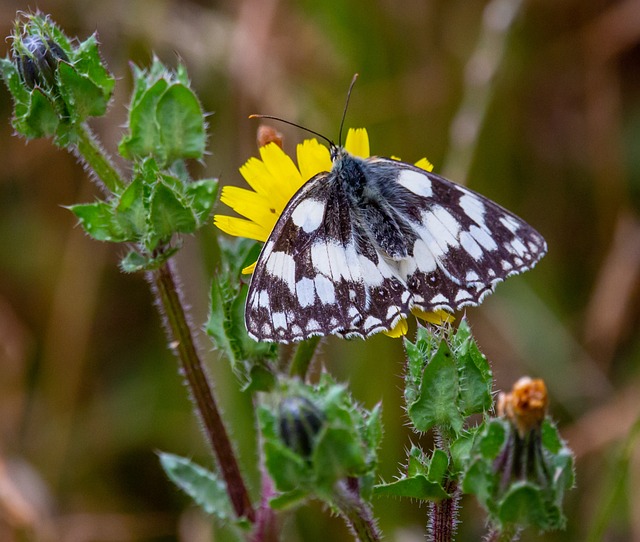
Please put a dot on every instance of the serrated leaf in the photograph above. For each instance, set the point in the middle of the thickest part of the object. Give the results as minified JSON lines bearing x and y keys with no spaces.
{"x":436,"y":403}
{"x":181,"y":124}
{"x":134,"y":261}
{"x":130,"y":212}
{"x":83,"y":97}
{"x":415,"y":487}
{"x":97,"y":221}
{"x":289,"y":500}
{"x":202,"y":485}
{"x":87,"y":61}
{"x":41,"y":118}
{"x":169,"y":213}
{"x":14,"y":84}
{"x":475,"y":375}
{"x":438,"y":466}
{"x":202,"y":195}
{"x":524,"y":504}
{"x":287,"y":469}
{"x":143,"y":138}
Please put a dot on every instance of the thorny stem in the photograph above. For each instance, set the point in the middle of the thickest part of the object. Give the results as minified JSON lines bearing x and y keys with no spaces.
{"x":356,"y":513}
{"x":303,"y":356}
{"x":94,"y":158}
{"x":182,"y":342}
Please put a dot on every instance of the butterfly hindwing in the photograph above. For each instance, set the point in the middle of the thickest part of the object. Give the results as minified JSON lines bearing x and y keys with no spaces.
{"x":358,"y":247}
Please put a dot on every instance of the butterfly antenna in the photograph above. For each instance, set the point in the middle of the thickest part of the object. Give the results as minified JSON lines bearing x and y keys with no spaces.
{"x":331,"y":143}
{"x":346,"y":106}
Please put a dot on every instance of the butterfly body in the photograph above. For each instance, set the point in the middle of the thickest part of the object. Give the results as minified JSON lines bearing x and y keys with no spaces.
{"x":358,"y":247}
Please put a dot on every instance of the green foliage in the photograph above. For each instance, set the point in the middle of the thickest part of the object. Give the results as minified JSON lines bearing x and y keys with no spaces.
{"x":446,"y":380}
{"x":166,"y":120}
{"x":343,"y":446}
{"x":55,"y":85}
{"x":520,"y":481}
{"x":252,"y":362}
{"x":202,"y":485}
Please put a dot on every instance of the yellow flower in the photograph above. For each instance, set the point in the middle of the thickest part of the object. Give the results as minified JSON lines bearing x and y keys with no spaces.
{"x":274,"y":179}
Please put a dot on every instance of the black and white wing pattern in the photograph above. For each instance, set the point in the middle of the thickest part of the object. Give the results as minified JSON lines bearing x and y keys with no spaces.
{"x":360,"y":246}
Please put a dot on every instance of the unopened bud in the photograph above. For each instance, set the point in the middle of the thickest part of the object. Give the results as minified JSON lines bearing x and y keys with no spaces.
{"x":37,"y":61}
{"x":300,"y":421}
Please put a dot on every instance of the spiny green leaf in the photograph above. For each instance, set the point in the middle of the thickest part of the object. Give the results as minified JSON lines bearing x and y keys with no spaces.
{"x":87,"y":61}
{"x":437,"y":400}
{"x":131,"y":212}
{"x":83,"y":97}
{"x":143,"y":139}
{"x":414,"y":487}
{"x":202,"y":195}
{"x":181,"y":122}
{"x":203,"y":486}
{"x":97,"y":220}
{"x":41,"y":118}
{"x":169,"y":213}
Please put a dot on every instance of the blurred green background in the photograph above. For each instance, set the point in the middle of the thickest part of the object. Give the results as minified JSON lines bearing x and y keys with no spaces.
{"x":539,"y":111}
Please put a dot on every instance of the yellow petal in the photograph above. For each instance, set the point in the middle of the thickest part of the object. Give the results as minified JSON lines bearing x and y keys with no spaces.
{"x":249,"y":269}
{"x":251,"y":205}
{"x":437,"y":317}
{"x":285,"y":174}
{"x":423,"y":163}
{"x":241,"y":227}
{"x":313,"y":158}
{"x":357,"y":142}
{"x":398,"y":330}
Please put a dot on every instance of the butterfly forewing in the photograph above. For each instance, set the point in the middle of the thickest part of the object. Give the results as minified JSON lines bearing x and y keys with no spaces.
{"x":353,"y":261}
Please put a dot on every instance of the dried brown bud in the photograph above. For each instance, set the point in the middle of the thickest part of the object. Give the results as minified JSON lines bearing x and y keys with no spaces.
{"x":526,"y":406}
{"x":268,"y":134}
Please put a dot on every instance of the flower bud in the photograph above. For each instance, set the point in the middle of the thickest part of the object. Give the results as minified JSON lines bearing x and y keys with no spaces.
{"x":299,"y":422}
{"x":37,"y":60}
{"x":526,"y":406}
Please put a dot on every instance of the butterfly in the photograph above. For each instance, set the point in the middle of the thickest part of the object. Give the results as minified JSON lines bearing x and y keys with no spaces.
{"x":360,"y":246}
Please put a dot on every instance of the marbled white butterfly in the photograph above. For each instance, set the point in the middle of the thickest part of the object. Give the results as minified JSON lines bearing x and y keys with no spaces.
{"x":358,"y":247}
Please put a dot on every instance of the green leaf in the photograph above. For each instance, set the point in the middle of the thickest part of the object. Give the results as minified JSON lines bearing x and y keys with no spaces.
{"x":134,"y":261}
{"x":181,"y":122}
{"x":337,"y":454}
{"x":225,"y":325}
{"x":414,"y":487}
{"x":83,"y":97}
{"x":202,"y":195}
{"x":438,"y":466}
{"x":475,"y":375}
{"x":130,"y":212}
{"x":169,"y":213}
{"x":87,"y":61}
{"x":524,"y":504}
{"x":143,"y":139}
{"x":41,"y":118}
{"x":97,"y":220}
{"x":15,"y":85}
{"x":438,"y":394}
{"x":289,"y":500}
{"x":203,"y":486}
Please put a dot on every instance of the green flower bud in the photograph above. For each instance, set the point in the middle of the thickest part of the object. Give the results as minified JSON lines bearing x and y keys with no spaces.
{"x":37,"y":61}
{"x":299,"y":422}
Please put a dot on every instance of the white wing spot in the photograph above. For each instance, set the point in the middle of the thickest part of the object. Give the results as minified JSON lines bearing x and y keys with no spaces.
{"x":416,"y":182}
{"x":439,"y":298}
{"x":312,"y":325}
{"x":472,"y":276}
{"x":282,"y":265}
{"x":305,"y":292}
{"x":279,"y":320}
{"x":324,"y":288}
{"x":462,"y":295}
{"x":473,"y":208}
{"x":483,"y":238}
{"x":309,"y":214}
{"x":371,"y":322}
{"x":471,"y":246}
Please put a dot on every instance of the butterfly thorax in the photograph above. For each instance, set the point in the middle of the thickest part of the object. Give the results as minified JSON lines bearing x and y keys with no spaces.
{"x":371,"y":207}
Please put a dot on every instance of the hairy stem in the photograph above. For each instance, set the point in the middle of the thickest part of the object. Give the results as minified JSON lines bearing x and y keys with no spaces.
{"x":356,"y":513}
{"x":182,"y":342}
{"x":96,"y":161}
{"x":443,"y":516}
{"x":303,"y":356}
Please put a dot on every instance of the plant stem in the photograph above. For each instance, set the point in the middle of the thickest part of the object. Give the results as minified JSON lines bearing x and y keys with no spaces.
{"x":443,"y":516}
{"x":95,"y":159}
{"x":303,"y":356}
{"x":182,"y":343}
{"x":356,"y":513}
